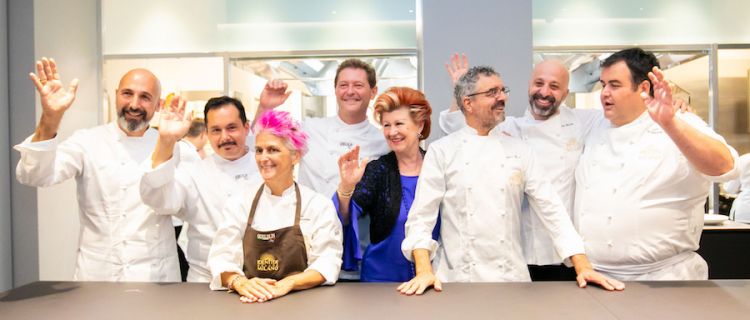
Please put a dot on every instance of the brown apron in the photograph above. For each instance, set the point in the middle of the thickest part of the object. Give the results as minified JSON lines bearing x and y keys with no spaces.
{"x":274,"y":254}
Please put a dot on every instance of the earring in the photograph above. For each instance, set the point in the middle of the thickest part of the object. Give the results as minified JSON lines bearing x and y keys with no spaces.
{"x":419,"y":135}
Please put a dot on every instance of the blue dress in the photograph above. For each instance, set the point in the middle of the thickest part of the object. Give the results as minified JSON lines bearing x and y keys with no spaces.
{"x":382,"y":261}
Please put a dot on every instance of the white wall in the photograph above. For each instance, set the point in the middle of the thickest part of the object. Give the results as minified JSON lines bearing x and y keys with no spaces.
{"x":67,"y":31}
{"x":640,"y":22}
{"x":491,"y":32}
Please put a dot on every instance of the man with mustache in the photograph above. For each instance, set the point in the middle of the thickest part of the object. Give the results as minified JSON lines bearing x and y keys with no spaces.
{"x":196,"y":191}
{"x":555,"y":133}
{"x":476,"y":178}
{"x":120,"y":238}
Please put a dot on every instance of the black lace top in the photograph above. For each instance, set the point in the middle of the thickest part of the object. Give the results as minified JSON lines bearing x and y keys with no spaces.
{"x":379,"y":195}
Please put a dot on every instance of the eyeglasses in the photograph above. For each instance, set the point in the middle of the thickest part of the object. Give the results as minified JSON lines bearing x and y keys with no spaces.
{"x":494,"y":92}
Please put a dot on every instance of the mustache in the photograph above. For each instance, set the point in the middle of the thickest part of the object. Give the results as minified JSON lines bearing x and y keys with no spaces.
{"x":499,"y":104}
{"x":139,"y":111}
{"x":539,"y":96}
{"x":227,"y":143}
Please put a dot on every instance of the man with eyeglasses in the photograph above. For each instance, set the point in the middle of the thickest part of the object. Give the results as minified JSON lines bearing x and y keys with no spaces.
{"x":555,"y":133}
{"x":476,"y":178}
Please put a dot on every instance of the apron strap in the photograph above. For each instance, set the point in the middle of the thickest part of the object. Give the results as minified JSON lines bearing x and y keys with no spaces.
{"x":298,"y":210}
{"x":255,"y":205}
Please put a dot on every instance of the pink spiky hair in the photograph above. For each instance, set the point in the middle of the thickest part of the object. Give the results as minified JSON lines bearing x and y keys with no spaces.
{"x":281,"y":124}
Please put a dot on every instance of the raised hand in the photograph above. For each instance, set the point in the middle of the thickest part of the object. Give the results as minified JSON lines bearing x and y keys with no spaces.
{"x":274,"y":94}
{"x":351,"y":169}
{"x":457,"y":67}
{"x":174,"y":121}
{"x":660,"y":107}
{"x":55,"y":99}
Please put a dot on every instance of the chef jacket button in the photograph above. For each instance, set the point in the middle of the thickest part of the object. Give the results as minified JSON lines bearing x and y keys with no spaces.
{"x":610,"y":244}
{"x":502,"y":189}
{"x":561,"y":157}
{"x":467,"y":163}
{"x":502,"y":240}
{"x":614,"y":190}
{"x":157,"y":225}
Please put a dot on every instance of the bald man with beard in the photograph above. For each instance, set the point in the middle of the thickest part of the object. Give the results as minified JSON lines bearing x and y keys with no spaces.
{"x":120,"y":238}
{"x":555,"y":133}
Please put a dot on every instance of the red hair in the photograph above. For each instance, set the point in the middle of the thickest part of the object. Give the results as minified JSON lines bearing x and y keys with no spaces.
{"x":403,"y":97}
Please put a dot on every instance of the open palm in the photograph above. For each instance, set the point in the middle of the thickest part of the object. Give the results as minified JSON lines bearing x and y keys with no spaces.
{"x":350,"y":168}
{"x":660,"y":106}
{"x":174,"y":121}
{"x":54,"y":97}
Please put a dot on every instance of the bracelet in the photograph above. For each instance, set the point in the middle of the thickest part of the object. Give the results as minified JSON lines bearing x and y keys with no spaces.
{"x":345,"y":194}
{"x":230,"y":285}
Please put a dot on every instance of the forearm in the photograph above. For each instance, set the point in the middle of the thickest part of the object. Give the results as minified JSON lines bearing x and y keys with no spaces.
{"x":163,"y":151}
{"x":344,"y":195}
{"x":47,"y":128}
{"x":227,"y":277}
{"x":580,"y":263}
{"x":422,"y":262}
{"x":706,"y":154}
{"x":305,"y":280}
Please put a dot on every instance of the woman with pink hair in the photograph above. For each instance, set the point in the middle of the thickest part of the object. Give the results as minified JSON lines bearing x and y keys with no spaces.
{"x":286,"y":236}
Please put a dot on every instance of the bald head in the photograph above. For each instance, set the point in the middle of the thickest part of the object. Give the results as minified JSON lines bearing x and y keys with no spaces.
{"x":138,"y":96}
{"x":142,"y":77}
{"x":548,"y":88}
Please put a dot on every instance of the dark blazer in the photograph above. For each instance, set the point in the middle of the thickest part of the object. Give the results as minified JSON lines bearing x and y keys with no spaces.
{"x":379,"y":195}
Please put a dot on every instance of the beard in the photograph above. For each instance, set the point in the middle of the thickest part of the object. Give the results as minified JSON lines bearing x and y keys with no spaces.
{"x":544,"y":111}
{"x":133,"y":125}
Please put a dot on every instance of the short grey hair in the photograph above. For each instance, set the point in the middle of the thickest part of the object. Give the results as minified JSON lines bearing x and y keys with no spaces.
{"x":466,"y":84}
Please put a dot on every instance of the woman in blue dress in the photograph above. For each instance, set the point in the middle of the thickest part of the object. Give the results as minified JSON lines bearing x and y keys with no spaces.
{"x":384,"y":188}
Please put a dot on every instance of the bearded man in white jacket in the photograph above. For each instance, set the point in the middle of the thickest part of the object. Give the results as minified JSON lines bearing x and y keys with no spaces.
{"x":120,"y":238}
{"x":476,"y":179}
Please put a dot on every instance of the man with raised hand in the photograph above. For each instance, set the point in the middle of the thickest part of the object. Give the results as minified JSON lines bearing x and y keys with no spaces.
{"x":476,"y":179}
{"x":120,"y":238}
{"x":644,"y":175}
{"x":197,"y":191}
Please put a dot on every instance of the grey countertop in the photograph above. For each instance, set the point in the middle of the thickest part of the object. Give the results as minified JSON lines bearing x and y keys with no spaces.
{"x":717,"y":299}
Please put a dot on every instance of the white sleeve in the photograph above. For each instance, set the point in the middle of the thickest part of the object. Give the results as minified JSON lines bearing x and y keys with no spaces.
{"x":450,"y":122}
{"x":548,"y":207}
{"x":49,"y":162}
{"x":326,"y":240}
{"x":424,"y":211}
{"x":226,"y":249}
{"x":700,"y":125}
{"x":735,"y":186}
{"x":167,"y":187}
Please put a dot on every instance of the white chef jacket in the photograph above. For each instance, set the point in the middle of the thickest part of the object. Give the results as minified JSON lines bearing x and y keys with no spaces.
{"x":639,"y":202}
{"x":319,"y":223}
{"x":477,"y":183}
{"x":197,"y":193}
{"x":741,"y":205}
{"x":120,"y":238}
{"x":557,"y":142}
{"x":329,"y":138}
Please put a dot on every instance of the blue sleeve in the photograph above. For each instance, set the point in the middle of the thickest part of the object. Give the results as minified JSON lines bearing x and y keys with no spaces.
{"x":352,"y":252}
